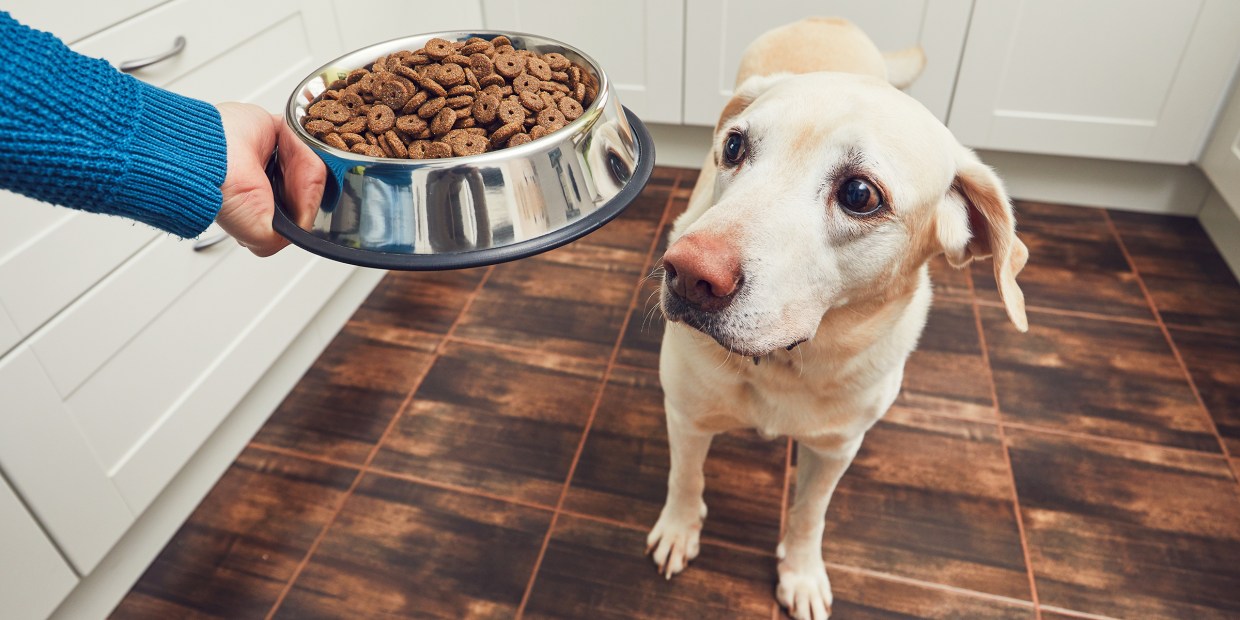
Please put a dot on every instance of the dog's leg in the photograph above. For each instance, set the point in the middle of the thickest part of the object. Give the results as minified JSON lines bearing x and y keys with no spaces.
{"x":675,"y":537}
{"x":803,"y":585}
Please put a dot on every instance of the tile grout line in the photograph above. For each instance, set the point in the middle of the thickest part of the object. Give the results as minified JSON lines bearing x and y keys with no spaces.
{"x":1081,"y":314}
{"x":318,"y":539}
{"x":1175,"y":350}
{"x":783,"y":512}
{"x":598,"y":399}
{"x":1007,"y":455}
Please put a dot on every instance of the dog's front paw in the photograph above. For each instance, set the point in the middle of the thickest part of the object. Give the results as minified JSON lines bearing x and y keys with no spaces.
{"x":675,"y":539}
{"x":804,"y":589}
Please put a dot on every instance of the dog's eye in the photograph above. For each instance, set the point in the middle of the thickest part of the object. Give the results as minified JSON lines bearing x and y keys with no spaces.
{"x":859,"y":197}
{"x":734,"y":149}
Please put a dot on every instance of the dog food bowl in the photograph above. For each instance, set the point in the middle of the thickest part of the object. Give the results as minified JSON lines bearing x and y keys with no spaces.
{"x":452,"y":213}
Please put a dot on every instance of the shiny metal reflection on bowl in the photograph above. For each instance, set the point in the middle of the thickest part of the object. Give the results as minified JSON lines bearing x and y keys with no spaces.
{"x":476,"y":210}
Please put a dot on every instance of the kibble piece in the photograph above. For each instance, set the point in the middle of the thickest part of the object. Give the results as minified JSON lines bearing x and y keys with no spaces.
{"x":352,"y":139}
{"x":570,"y":107}
{"x":410,"y":124}
{"x":330,"y":110}
{"x":380,"y":118}
{"x":531,"y":100}
{"x":501,"y":135}
{"x":538,"y":68}
{"x":438,"y":49}
{"x":556,"y":61}
{"x":414,"y":102}
{"x":486,"y":108}
{"x":509,"y":65}
{"x":551,"y":118}
{"x":443,"y":122}
{"x":525,"y":82}
{"x":519,"y":139}
{"x":537,"y":131}
{"x":451,"y":75}
{"x":319,"y":127}
{"x":464,"y":143}
{"x":395,"y":144}
{"x":438,"y":150}
{"x":432,"y":107}
{"x":511,"y":111}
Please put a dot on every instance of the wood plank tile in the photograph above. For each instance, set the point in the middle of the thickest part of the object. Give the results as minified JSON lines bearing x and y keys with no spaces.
{"x":408,"y":305}
{"x":623,"y":470}
{"x":502,"y":421}
{"x":1129,"y":530}
{"x":1214,"y":362}
{"x":947,"y":374}
{"x":930,"y":499}
{"x":643,"y":336}
{"x":1186,"y":276}
{"x":949,"y":282}
{"x":1075,"y":263}
{"x":570,"y":301}
{"x":1091,"y":376}
{"x":864,"y":596}
{"x":595,"y":570}
{"x":404,"y":550}
{"x":235,"y":553}
{"x":341,"y":406}
{"x":635,"y":228}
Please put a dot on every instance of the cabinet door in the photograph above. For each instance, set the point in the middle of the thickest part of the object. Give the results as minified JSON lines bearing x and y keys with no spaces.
{"x":638,"y":44}
{"x":33,"y":577}
{"x":402,"y":18}
{"x":1120,"y":79}
{"x":718,"y":31}
{"x":1221,"y":159}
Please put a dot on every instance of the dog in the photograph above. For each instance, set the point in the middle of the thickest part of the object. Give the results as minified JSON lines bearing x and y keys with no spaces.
{"x":796,"y":283}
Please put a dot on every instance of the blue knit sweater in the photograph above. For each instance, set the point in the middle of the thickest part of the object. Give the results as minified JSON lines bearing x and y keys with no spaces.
{"x":76,"y":132}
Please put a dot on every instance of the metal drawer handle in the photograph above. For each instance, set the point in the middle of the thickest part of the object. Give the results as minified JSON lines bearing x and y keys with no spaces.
{"x":178,"y":46}
{"x":203,"y":244}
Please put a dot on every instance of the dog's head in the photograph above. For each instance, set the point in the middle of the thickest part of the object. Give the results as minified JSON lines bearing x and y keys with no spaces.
{"x":830,"y":189}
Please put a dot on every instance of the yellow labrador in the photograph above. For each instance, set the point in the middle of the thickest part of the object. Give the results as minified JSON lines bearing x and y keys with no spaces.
{"x":796,"y":286}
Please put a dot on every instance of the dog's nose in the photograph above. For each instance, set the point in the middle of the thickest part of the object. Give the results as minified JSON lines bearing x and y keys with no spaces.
{"x":704,"y":270}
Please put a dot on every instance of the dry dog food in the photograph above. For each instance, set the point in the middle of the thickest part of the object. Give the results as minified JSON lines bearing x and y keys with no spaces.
{"x":450,"y":98}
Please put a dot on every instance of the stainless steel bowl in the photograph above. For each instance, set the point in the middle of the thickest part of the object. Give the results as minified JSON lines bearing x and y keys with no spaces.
{"x":469,"y":211}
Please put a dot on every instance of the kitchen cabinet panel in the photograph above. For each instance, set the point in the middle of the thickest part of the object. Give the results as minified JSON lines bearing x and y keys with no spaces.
{"x":1067,"y":78}
{"x":33,"y":577}
{"x":80,"y":339}
{"x":638,"y":44}
{"x":401,"y":18}
{"x":1221,"y":159}
{"x":718,"y":31}
{"x":48,"y":461}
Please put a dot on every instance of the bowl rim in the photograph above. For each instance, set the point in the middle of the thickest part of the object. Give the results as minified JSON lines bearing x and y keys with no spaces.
{"x":588,"y":117}
{"x":379,"y":259}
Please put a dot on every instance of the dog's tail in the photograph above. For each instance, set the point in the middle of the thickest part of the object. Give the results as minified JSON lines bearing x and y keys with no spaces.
{"x":827,"y":44}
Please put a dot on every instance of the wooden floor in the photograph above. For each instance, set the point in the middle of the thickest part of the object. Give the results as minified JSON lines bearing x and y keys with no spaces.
{"x":490,"y":444}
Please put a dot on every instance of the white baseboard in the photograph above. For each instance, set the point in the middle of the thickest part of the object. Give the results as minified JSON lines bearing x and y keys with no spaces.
{"x":1129,"y":186}
{"x":1223,"y":226}
{"x":100,"y":591}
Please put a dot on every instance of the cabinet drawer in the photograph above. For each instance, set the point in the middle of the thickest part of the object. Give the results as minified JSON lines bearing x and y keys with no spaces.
{"x":213,"y":28}
{"x":82,"y":337}
{"x":61,"y":260}
{"x":71,"y":20}
{"x":49,"y":463}
{"x":33,"y":577}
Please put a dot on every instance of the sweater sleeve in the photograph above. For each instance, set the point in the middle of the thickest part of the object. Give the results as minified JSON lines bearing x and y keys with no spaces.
{"x":76,"y":132}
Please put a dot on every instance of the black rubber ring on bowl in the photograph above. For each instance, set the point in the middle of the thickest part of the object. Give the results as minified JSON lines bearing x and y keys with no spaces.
{"x":287,"y":228}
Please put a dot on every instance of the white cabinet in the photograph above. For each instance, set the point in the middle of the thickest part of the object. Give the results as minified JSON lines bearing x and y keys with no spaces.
{"x":1221,"y":159}
{"x":1117,"y":79}
{"x":33,"y":577}
{"x":637,"y":43}
{"x":128,"y":347}
{"x":402,"y":18}
{"x":717,"y":32}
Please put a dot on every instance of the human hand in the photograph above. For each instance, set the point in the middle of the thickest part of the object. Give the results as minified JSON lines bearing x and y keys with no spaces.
{"x":252,"y":134}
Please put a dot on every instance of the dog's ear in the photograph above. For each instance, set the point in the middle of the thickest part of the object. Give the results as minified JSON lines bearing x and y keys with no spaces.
{"x":975,"y":222}
{"x":744,"y":95}
{"x":904,"y":66}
